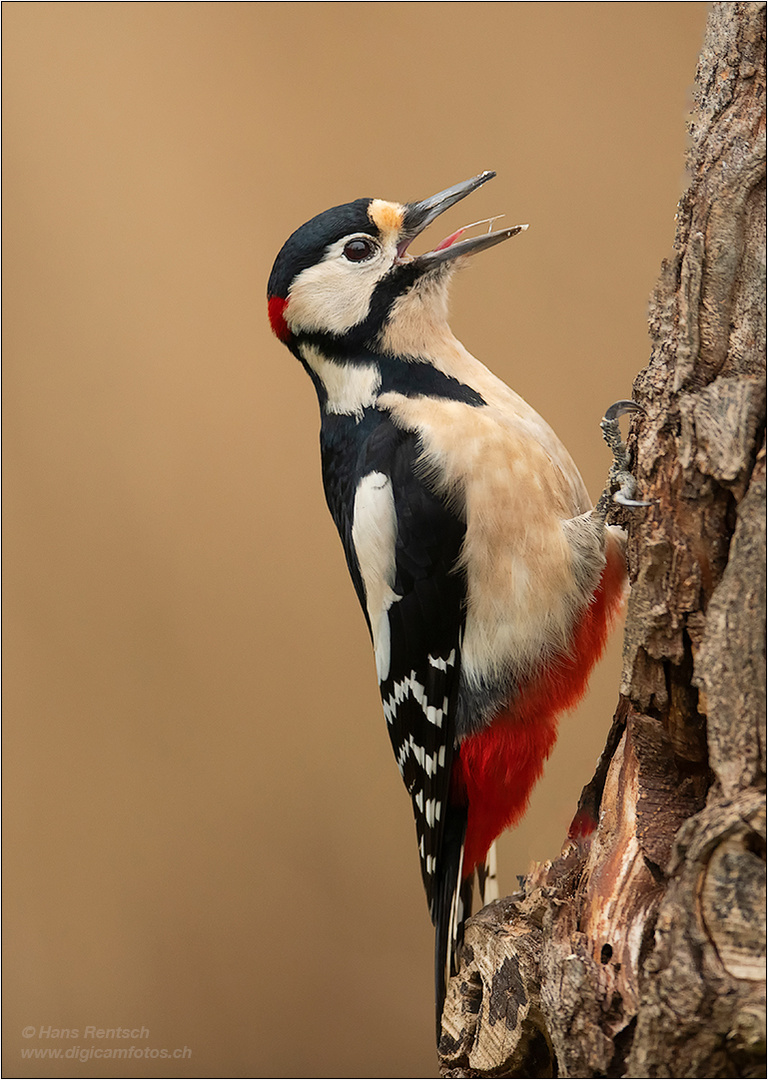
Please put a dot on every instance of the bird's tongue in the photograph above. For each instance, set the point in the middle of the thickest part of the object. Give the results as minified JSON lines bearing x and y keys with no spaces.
{"x":449,"y":240}
{"x":452,"y":238}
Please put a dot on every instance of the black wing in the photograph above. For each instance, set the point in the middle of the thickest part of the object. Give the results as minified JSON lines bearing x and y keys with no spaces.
{"x":420,"y":686}
{"x":419,"y":693}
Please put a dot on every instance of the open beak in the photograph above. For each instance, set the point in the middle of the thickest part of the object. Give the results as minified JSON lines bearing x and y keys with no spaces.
{"x":421,"y":214}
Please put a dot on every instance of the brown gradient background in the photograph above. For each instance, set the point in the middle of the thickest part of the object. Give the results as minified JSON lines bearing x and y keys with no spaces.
{"x":206,"y":833}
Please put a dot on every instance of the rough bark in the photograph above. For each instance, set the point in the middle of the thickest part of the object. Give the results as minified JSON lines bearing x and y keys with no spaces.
{"x":641,"y":950}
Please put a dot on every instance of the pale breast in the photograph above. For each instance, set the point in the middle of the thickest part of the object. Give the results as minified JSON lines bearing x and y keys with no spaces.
{"x":517,"y":487}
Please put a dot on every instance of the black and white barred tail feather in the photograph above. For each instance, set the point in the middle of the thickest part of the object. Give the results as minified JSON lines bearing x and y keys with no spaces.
{"x":451,"y":905}
{"x":453,"y":902}
{"x":487,"y":879}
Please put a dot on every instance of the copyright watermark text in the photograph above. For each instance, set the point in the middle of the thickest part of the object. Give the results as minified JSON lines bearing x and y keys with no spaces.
{"x":47,"y":1031}
{"x":92,"y":1048}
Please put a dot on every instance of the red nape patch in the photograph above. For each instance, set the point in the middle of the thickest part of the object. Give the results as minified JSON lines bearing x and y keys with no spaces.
{"x":496,"y":769}
{"x":276,"y":307}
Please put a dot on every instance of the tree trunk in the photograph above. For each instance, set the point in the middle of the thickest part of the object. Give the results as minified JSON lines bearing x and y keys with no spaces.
{"x":640,"y":952}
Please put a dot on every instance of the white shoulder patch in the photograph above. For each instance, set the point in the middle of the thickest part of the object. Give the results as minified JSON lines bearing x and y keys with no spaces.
{"x":374,"y":532}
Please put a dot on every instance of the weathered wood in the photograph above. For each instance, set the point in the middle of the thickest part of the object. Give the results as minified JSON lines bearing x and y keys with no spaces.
{"x":641,"y":950}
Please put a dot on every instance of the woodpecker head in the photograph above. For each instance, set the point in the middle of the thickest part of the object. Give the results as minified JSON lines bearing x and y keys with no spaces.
{"x":346,"y":275}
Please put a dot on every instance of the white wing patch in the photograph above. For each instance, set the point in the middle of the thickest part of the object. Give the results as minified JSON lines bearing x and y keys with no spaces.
{"x":374,"y":532}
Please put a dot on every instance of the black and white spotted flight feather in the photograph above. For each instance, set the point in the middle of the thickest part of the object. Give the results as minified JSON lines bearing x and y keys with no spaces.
{"x":419,"y":690}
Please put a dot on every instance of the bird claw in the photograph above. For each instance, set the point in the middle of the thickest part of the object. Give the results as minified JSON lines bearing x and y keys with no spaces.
{"x":620,"y":408}
{"x":621,"y":497}
{"x":621,"y":485}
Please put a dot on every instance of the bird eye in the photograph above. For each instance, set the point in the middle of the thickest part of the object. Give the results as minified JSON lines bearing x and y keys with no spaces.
{"x":359,"y":250}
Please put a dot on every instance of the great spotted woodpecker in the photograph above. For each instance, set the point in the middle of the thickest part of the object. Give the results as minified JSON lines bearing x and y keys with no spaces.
{"x":487,"y":580}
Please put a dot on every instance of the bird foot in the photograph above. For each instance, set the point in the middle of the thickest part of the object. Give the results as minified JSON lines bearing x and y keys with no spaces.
{"x":621,"y":486}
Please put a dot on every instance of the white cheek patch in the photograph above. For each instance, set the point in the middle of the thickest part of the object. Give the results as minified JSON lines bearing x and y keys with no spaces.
{"x":374,"y":532}
{"x":334,"y":295}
